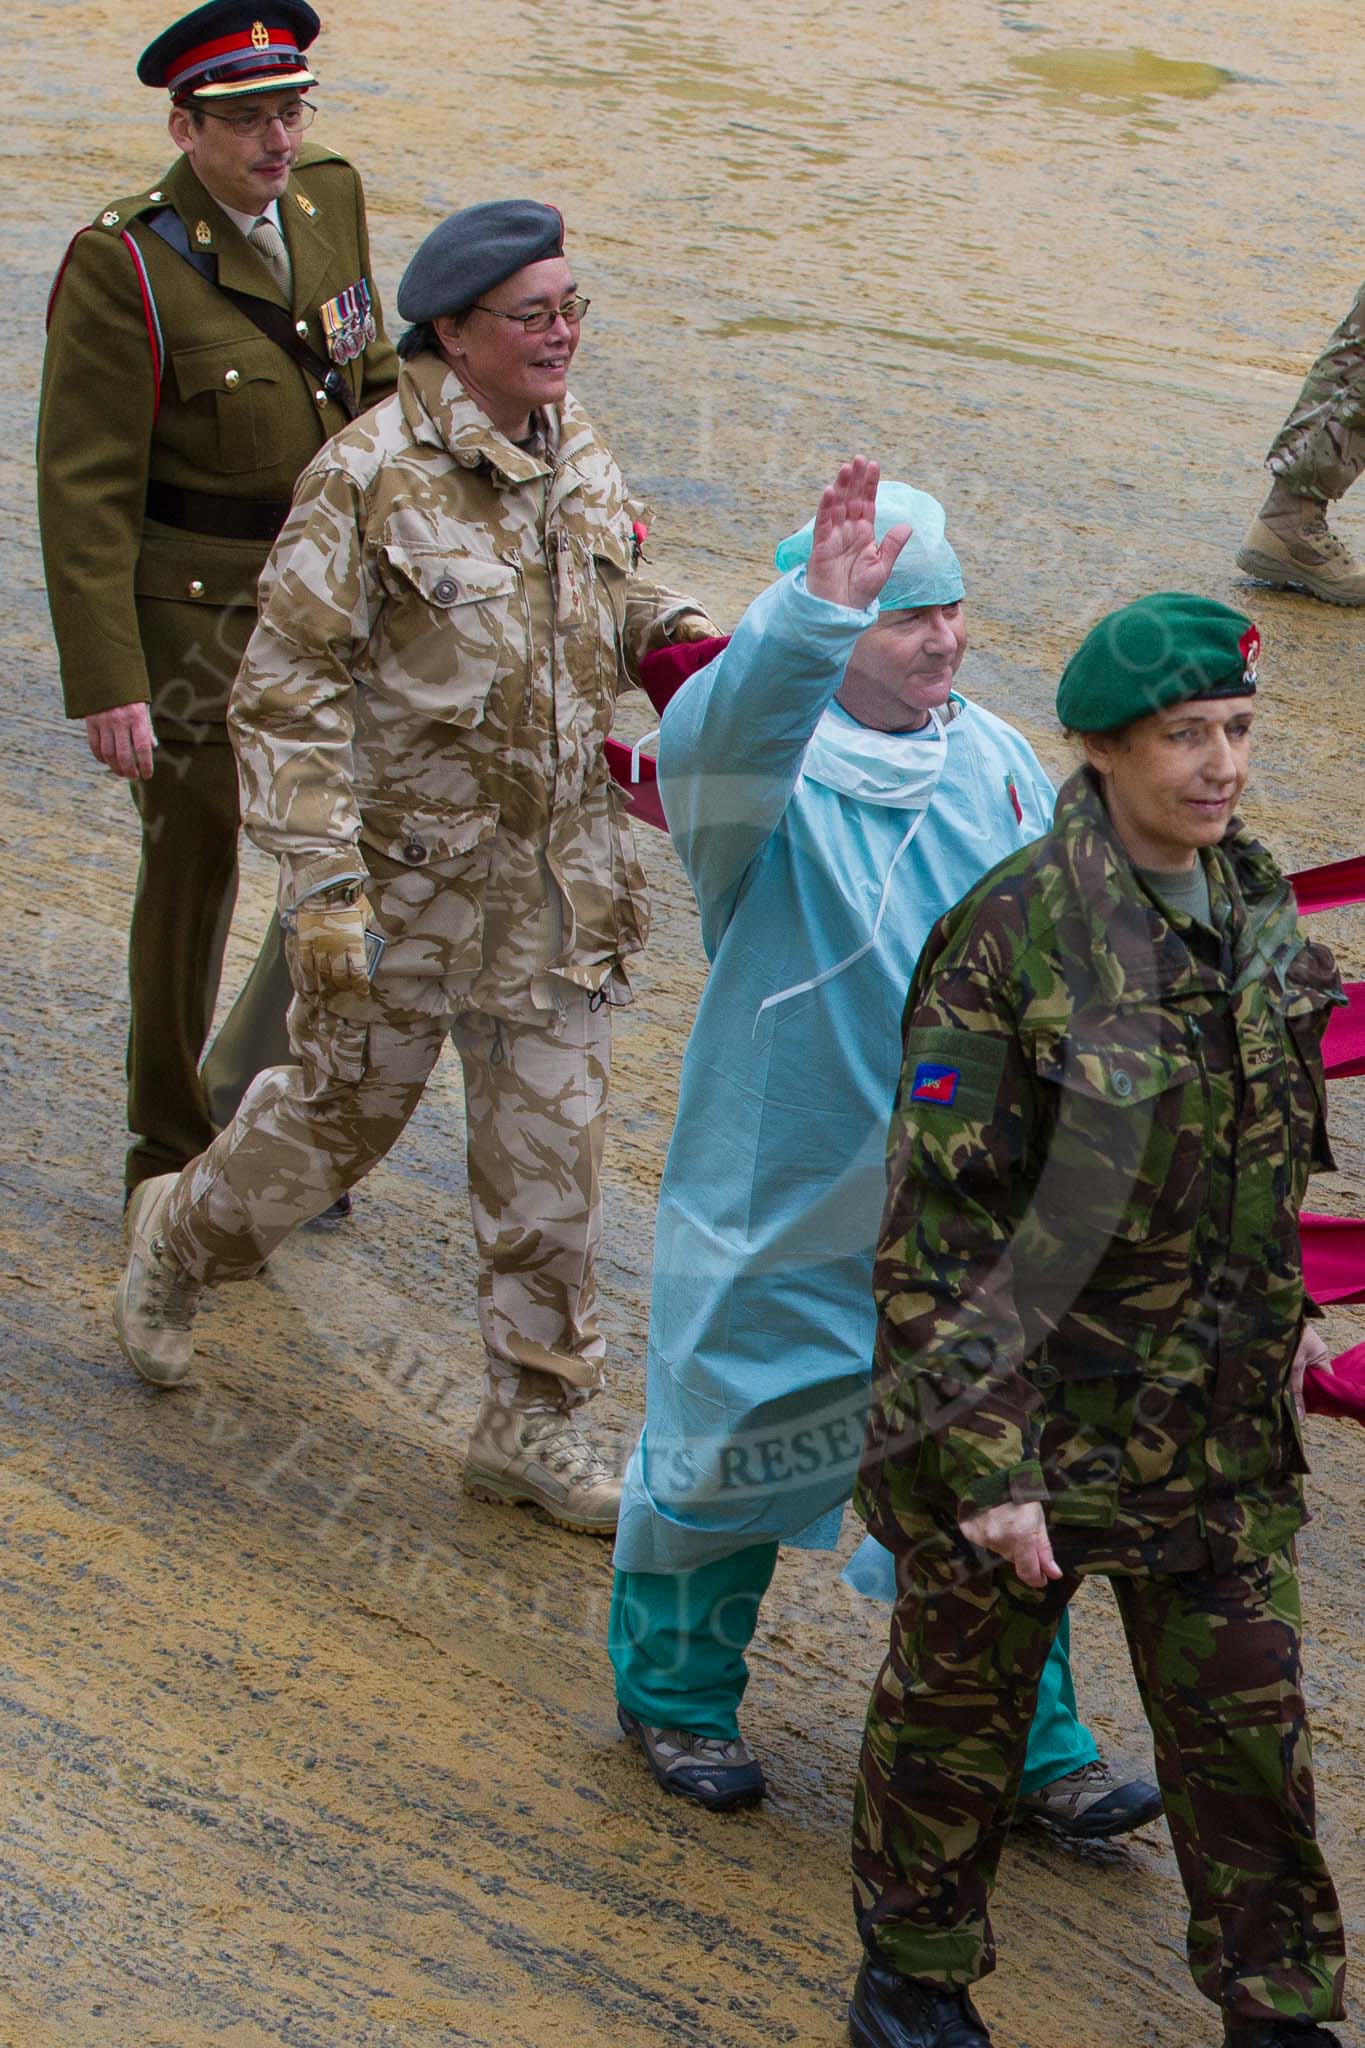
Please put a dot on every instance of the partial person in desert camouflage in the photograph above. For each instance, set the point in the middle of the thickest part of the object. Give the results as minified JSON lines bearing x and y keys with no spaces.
{"x":419,"y":720}
{"x":1313,"y":460}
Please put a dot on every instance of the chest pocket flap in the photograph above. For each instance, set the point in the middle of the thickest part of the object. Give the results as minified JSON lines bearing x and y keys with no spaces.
{"x":448,"y":580}
{"x":226,"y":366}
{"x":1108,"y":1071}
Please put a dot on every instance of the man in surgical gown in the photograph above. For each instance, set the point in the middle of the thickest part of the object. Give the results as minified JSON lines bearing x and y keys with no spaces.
{"x":830,"y":795}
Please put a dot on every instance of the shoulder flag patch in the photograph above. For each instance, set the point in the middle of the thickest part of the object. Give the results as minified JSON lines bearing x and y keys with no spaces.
{"x":933,"y":1083}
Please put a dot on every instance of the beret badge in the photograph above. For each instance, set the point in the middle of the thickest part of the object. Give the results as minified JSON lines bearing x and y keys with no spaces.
{"x":1249,"y":647}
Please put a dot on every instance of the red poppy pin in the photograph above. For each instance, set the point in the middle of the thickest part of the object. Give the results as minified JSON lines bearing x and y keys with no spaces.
{"x":1249,"y":647}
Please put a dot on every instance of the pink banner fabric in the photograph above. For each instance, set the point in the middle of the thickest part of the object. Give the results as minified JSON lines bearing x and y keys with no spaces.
{"x":1343,"y":1049}
{"x":1334,"y":887}
{"x":1333,"y":1257}
{"x":1340,"y":1392}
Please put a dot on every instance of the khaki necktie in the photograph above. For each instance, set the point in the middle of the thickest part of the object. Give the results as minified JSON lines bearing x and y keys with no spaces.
{"x":266,"y":239}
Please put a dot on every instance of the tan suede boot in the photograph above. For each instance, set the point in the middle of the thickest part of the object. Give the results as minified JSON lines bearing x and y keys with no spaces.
{"x":155,"y":1305}
{"x":1291,"y":545}
{"x":539,"y":1454}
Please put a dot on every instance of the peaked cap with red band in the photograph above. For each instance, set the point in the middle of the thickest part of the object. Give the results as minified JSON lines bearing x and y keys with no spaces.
{"x":228,"y":49}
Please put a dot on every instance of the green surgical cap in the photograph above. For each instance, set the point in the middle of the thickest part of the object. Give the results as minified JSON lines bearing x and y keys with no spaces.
{"x":926,"y":572}
{"x":1162,"y":650}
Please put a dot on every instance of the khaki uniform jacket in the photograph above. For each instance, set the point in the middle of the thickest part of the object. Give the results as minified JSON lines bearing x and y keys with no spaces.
{"x":1089,"y":1281}
{"x":445,"y":624}
{"x":144,"y":611}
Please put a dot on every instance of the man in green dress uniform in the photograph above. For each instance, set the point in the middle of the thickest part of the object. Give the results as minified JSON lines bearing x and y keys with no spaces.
{"x":206,"y":336}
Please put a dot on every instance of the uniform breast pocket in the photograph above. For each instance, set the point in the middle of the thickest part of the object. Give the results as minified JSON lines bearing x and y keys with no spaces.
{"x":232,"y":390}
{"x":1128,"y":1149}
{"x":455,"y":629}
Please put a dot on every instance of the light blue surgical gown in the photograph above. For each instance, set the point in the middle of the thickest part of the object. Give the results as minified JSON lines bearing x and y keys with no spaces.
{"x":761,"y":1318}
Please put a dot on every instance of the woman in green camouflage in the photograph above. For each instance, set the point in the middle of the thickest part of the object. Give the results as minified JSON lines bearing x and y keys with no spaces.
{"x":1091,"y":1346}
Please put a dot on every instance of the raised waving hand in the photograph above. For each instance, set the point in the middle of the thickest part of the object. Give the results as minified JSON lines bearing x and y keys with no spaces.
{"x":847,"y":566}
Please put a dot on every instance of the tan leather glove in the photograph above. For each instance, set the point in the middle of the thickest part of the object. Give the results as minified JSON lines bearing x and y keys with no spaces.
{"x":329,"y":947}
{"x":692,"y":626}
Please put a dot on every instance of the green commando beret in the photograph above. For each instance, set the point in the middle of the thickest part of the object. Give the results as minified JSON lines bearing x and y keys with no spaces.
{"x":1161,"y":650}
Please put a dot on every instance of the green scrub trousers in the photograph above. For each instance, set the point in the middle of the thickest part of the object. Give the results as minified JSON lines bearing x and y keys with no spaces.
{"x":677,"y":1642}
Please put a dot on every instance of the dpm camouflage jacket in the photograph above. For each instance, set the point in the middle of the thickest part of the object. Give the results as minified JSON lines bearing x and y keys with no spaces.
{"x":1089,"y":1283}
{"x":445,"y":623}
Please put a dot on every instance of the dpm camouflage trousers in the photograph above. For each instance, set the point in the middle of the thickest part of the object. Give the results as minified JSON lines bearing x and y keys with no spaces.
{"x":535,"y":1099}
{"x":1320,"y":450}
{"x":1218,"y":1667}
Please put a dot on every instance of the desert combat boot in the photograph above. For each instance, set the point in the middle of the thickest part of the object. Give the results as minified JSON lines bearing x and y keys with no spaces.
{"x":539,"y":1455}
{"x":155,"y":1305}
{"x":1291,"y":545}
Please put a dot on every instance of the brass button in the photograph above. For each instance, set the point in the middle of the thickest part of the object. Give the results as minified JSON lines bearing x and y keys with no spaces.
{"x":232,"y":378}
{"x":196,"y":588}
{"x":301,"y":329}
{"x":156,"y":195}
{"x":320,"y":397}
{"x":109,"y":220}
{"x":414,"y":851}
{"x":446,"y":591}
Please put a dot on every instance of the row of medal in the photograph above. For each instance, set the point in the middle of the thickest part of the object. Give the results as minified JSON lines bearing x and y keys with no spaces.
{"x":348,"y":322}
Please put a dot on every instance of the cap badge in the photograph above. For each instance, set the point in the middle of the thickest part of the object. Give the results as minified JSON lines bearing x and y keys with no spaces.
{"x":1249,"y":647}
{"x":203,"y":234}
{"x":108,"y":220}
{"x":260,"y":36}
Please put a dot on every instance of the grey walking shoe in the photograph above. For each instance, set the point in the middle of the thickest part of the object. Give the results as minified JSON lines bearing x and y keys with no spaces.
{"x":701,"y":1767}
{"x":540,"y":1455}
{"x":155,"y":1306}
{"x":1091,"y":1804}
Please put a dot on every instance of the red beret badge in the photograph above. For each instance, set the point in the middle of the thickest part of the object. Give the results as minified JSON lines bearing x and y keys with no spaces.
{"x":1249,"y":647}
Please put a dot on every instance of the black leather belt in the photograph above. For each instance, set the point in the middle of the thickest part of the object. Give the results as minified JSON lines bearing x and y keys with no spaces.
{"x":224,"y":518}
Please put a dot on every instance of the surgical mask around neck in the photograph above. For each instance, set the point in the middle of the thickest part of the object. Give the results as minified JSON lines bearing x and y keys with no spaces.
{"x":906,"y":777}
{"x":897,"y":769}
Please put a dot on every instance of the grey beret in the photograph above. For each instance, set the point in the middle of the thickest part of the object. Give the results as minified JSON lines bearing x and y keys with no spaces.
{"x":475,"y":249}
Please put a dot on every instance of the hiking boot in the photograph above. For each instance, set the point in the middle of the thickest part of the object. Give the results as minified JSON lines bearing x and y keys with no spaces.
{"x":1091,"y":1804}
{"x":539,"y":1455}
{"x":1280,"y":2034}
{"x":715,"y":1773}
{"x":1291,"y":545}
{"x":338,"y":1212}
{"x":891,"y":2011}
{"x":156,"y":1301}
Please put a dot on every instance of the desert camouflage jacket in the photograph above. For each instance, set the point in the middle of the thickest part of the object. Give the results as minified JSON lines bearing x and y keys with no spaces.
{"x":1088,"y":1282}
{"x":445,"y":623}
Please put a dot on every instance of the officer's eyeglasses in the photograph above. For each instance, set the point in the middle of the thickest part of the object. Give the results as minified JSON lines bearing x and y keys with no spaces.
{"x":252,"y":126}
{"x":571,"y":310}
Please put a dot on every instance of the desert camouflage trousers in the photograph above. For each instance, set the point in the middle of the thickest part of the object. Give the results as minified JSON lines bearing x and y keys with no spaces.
{"x":1320,"y":450}
{"x":535,"y":1101}
{"x":1217,"y":1663}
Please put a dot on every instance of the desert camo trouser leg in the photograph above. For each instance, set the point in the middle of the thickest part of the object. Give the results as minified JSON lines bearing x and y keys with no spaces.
{"x":1218,"y":1664}
{"x":302,"y":1135}
{"x":536,"y":1096}
{"x":1320,"y":450}
{"x":535,"y":1104}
